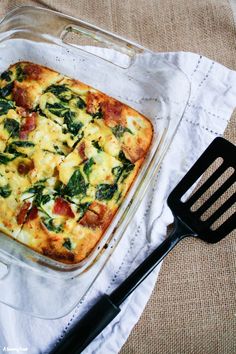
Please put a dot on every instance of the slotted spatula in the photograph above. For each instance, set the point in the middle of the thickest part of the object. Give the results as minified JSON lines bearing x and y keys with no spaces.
{"x":187,"y":223}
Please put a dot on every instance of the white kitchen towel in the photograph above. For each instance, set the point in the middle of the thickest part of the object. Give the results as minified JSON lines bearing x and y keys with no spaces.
{"x":213,"y":98}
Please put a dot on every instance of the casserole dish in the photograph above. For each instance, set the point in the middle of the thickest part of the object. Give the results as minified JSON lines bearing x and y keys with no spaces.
{"x":121,"y":69}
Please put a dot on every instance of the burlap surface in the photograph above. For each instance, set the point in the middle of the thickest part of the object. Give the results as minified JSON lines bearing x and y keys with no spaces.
{"x":193,"y":307}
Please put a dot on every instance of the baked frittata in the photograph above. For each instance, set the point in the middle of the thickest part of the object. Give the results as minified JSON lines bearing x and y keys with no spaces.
{"x":68,"y":155}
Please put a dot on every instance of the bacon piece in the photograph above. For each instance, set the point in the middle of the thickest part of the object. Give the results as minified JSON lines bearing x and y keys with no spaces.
{"x":134,"y":154}
{"x":81,"y":150}
{"x":112,"y":112}
{"x":23,"y":213}
{"x":94,"y":216}
{"x":28,"y":126}
{"x":24,"y":167}
{"x":92,"y":102}
{"x":33,"y":71}
{"x":62,"y":207}
{"x":32,"y":214}
{"x":20,"y":96}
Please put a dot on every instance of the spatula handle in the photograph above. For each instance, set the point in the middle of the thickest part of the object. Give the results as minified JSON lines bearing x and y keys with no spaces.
{"x":93,"y":323}
{"x":146,"y":267}
{"x":107,"y":307}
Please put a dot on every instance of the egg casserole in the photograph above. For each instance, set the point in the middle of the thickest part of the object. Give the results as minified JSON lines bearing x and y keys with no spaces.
{"x":68,"y":156}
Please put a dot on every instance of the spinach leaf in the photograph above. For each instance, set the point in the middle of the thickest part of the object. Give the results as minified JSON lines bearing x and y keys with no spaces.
{"x":117,"y":171}
{"x":119,"y":131}
{"x":58,"y":109}
{"x":41,"y":199}
{"x":67,"y":243}
{"x":83,"y":207}
{"x":61,"y":91}
{"x":22,"y":143}
{"x":11,"y":148}
{"x":88,"y":166}
{"x":6,"y":90}
{"x":80,"y":103}
{"x":105,"y":191}
{"x":76,"y":185}
{"x":98,"y":114}
{"x":96,"y":145}
{"x":20,"y":74}
{"x":4,"y":159}
{"x":72,"y":126}
{"x":80,"y":137}
{"x":5,"y":106}
{"x":59,"y":188}
{"x":5,"y":191}
{"x":58,"y":150}
{"x":12,"y":126}
{"x":64,"y":112}
{"x":38,"y":187}
{"x":48,"y":222}
{"x":6,"y":75}
{"x":128,"y":166}
{"x":40,"y":112}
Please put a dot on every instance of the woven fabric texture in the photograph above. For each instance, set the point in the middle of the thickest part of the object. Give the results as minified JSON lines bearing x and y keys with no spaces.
{"x":193,"y":307}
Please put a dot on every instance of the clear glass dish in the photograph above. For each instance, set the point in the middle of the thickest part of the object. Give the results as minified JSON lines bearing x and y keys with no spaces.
{"x":122,"y":69}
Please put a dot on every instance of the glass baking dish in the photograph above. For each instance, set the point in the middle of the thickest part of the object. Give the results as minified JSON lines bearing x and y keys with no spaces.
{"x":122,"y":69}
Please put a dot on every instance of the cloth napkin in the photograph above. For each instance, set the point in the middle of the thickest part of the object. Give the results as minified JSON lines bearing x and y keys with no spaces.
{"x":213,"y":98}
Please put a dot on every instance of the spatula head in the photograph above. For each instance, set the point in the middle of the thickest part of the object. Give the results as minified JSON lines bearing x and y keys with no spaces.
{"x":219,"y":148}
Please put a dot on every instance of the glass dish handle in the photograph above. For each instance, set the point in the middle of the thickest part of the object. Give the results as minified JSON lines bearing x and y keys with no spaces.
{"x":100,"y":43}
{"x":71,"y":31}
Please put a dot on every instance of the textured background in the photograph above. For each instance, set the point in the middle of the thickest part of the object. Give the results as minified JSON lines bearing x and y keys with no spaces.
{"x":193,"y":307}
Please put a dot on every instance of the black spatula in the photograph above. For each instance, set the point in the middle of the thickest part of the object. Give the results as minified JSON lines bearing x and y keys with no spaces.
{"x":187,"y":223}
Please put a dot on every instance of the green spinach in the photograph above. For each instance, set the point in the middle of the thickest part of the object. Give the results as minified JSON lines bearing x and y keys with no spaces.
{"x":119,"y":131}
{"x":82,"y":208}
{"x":20,"y":74}
{"x":12,"y":126}
{"x":5,"y":106}
{"x":88,"y":166}
{"x":11,"y":148}
{"x":4,"y":159}
{"x":80,"y":103}
{"x":5,"y":191}
{"x":48,"y":222}
{"x":96,"y":145}
{"x":67,"y":243}
{"x":72,"y":126}
{"x":117,"y":171}
{"x":98,"y":114}
{"x":61,"y":91}
{"x":6,"y":75}
{"x":58,"y":109}
{"x":105,"y":191}
{"x":76,"y":185}
{"x":6,"y":90}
